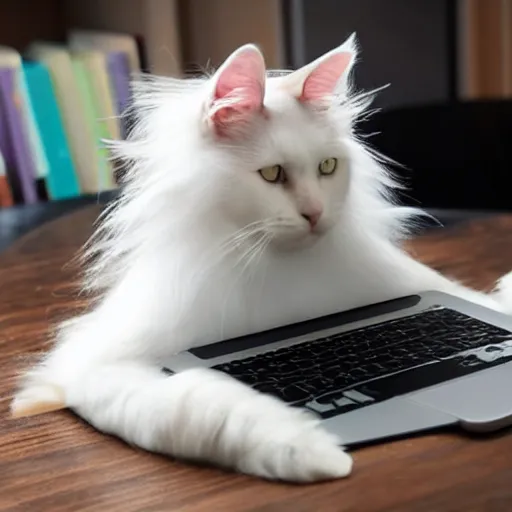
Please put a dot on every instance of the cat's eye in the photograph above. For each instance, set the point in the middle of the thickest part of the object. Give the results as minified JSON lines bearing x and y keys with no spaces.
{"x":273,"y":173}
{"x":327,"y":166}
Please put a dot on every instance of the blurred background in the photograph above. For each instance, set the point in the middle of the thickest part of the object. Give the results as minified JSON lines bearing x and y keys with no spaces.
{"x":446,"y":116}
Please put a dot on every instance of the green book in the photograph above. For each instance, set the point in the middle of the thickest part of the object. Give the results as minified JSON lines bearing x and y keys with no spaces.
{"x":95,"y":123}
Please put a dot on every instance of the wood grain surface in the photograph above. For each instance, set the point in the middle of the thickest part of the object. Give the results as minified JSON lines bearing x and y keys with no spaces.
{"x":56,"y":462}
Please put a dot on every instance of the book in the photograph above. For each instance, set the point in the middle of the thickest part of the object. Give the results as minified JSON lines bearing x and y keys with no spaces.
{"x":5,"y":189}
{"x":119,"y":71}
{"x":92,"y":111}
{"x":155,"y":24}
{"x":95,"y":63}
{"x":62,"y":181}
{"x":10,"y":58}
{"x":107,"y":42}
{"x":14,"y":143}
{"x":79,"y":132}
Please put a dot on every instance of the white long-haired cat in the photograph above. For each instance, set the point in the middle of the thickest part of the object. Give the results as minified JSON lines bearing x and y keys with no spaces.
{"x":249,"y":204}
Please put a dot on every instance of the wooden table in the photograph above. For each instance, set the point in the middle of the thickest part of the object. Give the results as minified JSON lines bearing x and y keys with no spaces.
{"x":55,"y":462}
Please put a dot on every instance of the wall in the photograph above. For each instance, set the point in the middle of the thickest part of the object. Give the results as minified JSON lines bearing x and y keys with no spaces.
{"x":212,"y":29}
{"x":403,"y":42}
{"x":22,"y":21}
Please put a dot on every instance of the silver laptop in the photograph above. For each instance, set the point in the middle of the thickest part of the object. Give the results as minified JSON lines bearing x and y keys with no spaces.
{"x":391,"y":369}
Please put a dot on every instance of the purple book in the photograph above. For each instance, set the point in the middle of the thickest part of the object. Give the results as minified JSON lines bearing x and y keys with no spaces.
{"x":14,"y":143}
{"x":119,"y":73}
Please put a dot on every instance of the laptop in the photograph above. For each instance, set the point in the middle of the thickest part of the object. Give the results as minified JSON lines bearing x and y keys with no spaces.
{"x":391,"y":369}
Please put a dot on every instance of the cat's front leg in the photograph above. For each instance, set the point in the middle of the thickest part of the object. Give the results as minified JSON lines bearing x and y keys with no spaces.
{"x":199,"y":414}
{"x":214,"y":417}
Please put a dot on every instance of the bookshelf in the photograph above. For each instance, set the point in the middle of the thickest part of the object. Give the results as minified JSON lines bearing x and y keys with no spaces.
{"x":177,"y":33}
{"x":23,"y":21}
{"x":175,"y":37}
{"x":64,"y":97}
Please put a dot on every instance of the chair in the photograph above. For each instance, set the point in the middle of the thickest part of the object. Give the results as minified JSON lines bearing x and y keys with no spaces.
{"x":457,"y":156}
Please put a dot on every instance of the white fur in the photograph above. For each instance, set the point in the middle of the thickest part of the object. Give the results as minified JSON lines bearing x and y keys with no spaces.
{"x":200,"y":249}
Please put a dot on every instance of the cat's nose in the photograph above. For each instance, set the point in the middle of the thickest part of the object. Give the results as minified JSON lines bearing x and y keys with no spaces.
{"x":313,"y":216}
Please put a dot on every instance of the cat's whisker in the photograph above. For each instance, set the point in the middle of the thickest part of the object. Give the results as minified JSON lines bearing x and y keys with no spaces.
{"x":237,"y":278}
{"x":254,"y":229}
{"x":255,"y":253}
{"x":234,"y":241}
{"x":245,"y":254}
{"x":234,"y":244}
{"x":254,"y":258}
{"x":249,"y":252}
{"x":240,"y":236}
{"x":266,"y":241}
{"x":253,"y":225}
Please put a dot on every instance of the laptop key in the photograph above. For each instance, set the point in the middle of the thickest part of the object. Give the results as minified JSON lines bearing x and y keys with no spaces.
{"x":332,"y":404}
{"x":294,"y":393}
{"x":322,"y":409}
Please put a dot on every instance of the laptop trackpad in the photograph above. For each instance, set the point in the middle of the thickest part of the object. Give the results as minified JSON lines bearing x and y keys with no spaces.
{"x":481,"y":401}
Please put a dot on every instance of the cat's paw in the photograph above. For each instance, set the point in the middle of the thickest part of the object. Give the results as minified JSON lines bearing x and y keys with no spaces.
{"x":291,"y":446}
{"x":311,"y":457}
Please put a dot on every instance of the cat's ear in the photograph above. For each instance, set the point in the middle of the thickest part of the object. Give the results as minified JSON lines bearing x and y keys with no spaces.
{"x":318,"y":81}
{"x":238,"y":90}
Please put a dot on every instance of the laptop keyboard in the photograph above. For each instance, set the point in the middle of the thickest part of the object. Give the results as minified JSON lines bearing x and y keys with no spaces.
{"x":342,"y":372}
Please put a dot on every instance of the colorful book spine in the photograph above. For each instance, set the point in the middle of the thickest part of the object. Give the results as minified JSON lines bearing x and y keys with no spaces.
{"x":5,"y":189}
{"x":14,"y":142}
{"x":119,"y":73}
{"x":62,"y":180}
{"x":105,"y":178}
{"x":41,"y":165}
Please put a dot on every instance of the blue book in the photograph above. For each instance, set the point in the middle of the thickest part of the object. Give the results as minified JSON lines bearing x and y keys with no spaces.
{"x":62,"y":180}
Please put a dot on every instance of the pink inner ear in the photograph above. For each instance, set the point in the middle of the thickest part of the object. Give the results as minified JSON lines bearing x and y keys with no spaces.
{"x":323,"y":79}
{"x":243,"y":79}
{"x":239,"y":90}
